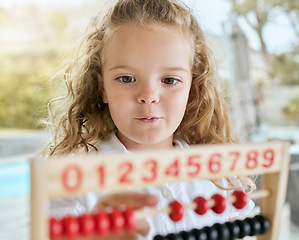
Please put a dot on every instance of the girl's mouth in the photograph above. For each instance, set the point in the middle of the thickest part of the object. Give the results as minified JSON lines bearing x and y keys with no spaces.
{"x":150,"y":119}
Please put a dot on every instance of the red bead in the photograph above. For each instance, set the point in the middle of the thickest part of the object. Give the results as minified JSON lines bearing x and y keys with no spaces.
{"x":102,"y":223}
{"x":56,"y":229}
{"x":220,"y":203}
{"x":177,"y":211}
{"x":87,"y":225}
{"x":241,"y":199}
{"x":130,"y":221}
{"x":117,"y":221}
{"x":202,"y":205}
{"x":70,"y":227}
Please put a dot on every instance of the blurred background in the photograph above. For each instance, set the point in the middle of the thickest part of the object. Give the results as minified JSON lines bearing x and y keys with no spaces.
{"x":256,"y":49}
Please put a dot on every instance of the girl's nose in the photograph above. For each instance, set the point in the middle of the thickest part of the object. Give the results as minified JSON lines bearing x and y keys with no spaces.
{"x":148,"y":94}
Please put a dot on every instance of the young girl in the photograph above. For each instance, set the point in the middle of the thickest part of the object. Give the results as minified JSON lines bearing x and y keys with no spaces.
{"x":144,"y":79}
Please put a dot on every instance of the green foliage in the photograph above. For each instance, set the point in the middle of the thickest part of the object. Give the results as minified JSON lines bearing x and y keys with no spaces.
{"x":24,"y":89}
{"x":33,"y":43}
{"x":285,"y":68}
{"x":58,"y":22}
{"x":291,"y":109}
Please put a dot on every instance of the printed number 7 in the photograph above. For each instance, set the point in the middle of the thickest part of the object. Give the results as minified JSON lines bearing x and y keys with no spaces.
{"x":236,"y":158}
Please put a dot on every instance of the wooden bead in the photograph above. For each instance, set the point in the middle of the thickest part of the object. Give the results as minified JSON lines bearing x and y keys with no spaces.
{"x":71,"y":227}
{"x":234,"y":230}
{"x":199,"y":234}
{"x":177,"y":211}
{"x":212,"y":233}
{"x":55,"y":228}
{"x":117,"y":221}
{"x":255,"y":226}
{"x":220,"y":203}
{"x":129,"y":218}
{"x":223,"y":231}
{"x":159,"y":237}
{"x":241,"y":199}
{"x":172,"y":236}
{"x":102,"y":223}
{"x":202,"y":205}
{"x":87,"y":225}
{"x":265,"y":224}
{"x":187,"y":235}
{"x":244,"y":228}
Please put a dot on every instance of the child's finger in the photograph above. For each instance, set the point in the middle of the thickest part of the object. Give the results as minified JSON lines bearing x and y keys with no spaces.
{"x":131,"y":199}
{"x":120,"y":236}
{"x":142,"y":227}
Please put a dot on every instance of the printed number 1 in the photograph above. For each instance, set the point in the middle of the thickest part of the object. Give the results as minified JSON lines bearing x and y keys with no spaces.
{"x":101,"y":172}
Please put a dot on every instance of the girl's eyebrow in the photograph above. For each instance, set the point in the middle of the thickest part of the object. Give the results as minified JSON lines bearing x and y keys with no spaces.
{"x":119,"y":67}
{"x":165,"y":68}
{"x":176,"y":69}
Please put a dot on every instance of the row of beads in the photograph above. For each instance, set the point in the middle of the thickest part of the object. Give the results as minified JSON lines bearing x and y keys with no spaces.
{"x":227,"y":231}
{"x":202,"y":205}
{"x":101,"y":223}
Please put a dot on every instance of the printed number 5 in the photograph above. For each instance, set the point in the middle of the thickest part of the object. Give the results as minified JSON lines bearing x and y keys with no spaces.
{"x":193,"y":161}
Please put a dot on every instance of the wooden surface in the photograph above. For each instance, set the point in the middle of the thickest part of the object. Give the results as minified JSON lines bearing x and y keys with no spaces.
{"x":74,"y":175}
{"x":68,"y":176}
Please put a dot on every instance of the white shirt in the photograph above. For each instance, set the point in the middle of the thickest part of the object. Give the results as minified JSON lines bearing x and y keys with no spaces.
{"x":184,"y":192}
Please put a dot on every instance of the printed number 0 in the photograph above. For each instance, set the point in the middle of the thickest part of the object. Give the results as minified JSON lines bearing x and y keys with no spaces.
{"x":69,"y":183}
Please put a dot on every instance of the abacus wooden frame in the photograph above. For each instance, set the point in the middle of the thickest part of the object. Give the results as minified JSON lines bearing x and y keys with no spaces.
{"x":67,"y":176}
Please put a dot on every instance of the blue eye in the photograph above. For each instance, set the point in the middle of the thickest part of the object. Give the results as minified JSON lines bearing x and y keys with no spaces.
{"x":126,"y":79}
{"x":170,"y":81}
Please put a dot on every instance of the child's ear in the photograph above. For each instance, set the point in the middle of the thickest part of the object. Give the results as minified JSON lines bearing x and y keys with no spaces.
{"x":101,"y":86}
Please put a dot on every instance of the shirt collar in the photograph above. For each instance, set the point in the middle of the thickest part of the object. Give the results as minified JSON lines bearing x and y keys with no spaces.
{"x":113,"y":144}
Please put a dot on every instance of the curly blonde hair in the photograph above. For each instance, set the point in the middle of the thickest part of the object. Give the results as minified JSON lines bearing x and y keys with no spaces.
{"x":87,"y":118}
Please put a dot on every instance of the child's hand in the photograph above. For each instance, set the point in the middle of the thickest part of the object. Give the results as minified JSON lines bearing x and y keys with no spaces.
{"x":130,"y":199}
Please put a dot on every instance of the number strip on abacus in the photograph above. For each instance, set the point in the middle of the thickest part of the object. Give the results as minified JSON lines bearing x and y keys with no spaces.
{"x":73,"y":175}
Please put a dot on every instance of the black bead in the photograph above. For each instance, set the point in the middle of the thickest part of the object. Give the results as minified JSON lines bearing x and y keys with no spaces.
{"x":254,"y":225}
{"x":244,"y":228}
{"x":159,"y":237}
{"x":265,"y":224}
{"x":234,"y":230}
{"x":223,"y":231}
{"x":212,"y":233}
{"x":187,"y":235}
{"x":199,"y":234}
{"x":172,"y":236}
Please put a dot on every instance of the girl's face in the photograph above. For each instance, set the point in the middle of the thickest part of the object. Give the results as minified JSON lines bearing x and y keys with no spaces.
{"x":146,"y":82}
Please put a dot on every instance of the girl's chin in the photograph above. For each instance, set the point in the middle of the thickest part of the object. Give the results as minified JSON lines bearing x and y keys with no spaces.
{"x":146,"y":142}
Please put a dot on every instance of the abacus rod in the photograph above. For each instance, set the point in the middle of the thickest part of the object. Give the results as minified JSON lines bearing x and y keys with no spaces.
{"x":140,"y":214}
{"x":259,"y":194}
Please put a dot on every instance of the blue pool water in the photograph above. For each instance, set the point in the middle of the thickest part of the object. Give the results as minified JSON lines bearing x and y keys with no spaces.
{"x":14,"y":179}
{"x":15,"y":151}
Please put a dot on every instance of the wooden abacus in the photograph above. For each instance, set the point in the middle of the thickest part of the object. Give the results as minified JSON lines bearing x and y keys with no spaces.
{"x":69,"y":176}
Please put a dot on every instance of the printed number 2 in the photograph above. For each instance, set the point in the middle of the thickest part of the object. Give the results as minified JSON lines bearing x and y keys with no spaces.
{"x":127,"y":169}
